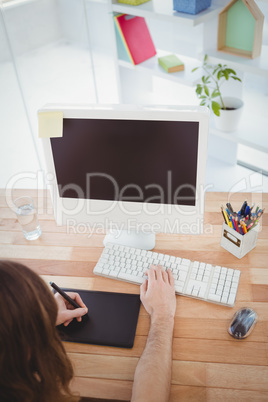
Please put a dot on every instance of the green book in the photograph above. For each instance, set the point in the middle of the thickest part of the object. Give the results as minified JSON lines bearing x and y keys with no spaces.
{"x":171,"y":63}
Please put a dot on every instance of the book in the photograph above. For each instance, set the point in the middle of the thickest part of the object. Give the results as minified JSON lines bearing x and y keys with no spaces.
{"x":122,"y":50}
{"x":132,"y":2}
{"x":171,"y":63}
{"x":136,"y":37}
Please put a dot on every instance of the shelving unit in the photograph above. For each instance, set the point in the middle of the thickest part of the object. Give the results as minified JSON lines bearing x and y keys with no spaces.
{"x":163,"y":9}
{"x":247,"y":135}
{"x":253,"y":129}
{"x":152,"y":66}
{"x":255,"y":66}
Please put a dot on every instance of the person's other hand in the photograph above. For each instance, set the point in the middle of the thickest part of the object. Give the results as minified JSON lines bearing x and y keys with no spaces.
{"x":66,"y":312}
{"x":158,"y":293}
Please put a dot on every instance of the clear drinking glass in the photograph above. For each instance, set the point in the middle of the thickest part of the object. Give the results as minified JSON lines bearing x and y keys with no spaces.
{"x":27,"y":217}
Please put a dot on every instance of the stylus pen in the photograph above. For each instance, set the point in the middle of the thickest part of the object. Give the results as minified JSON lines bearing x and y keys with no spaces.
{"x":64,"y":295}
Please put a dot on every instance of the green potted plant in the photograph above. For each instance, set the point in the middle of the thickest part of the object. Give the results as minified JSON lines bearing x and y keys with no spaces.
{"x":227,"y":109}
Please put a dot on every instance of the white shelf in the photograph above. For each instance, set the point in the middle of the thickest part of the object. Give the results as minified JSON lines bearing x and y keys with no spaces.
{"x":251,"y":132}
{"x":163,"y":9}
{"x":152,"y":66}
{"x":256,"y":66}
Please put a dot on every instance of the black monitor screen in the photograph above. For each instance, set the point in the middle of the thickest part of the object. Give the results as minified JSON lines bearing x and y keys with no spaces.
{"x":127,"y":160}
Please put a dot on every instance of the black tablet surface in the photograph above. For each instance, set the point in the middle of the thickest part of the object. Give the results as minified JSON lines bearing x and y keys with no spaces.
{"x":111,"y":320}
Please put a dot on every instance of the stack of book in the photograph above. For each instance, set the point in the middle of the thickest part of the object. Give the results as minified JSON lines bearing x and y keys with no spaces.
{"x":134,"y":42}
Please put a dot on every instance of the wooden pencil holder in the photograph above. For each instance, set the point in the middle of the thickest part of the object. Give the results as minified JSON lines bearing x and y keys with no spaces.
{"x":237,"y":244}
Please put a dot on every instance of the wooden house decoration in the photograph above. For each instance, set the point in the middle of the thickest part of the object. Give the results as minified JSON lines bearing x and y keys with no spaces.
{"x":240,"y":29}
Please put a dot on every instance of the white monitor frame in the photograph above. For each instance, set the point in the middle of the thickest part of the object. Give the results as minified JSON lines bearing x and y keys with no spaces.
{"x":144,"y":217}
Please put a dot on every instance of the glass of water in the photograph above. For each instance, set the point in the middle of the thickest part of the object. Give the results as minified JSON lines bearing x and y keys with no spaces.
{"x":27,"y":217}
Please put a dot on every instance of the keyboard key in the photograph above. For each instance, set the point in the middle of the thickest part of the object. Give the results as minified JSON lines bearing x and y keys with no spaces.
{"x":224,"y":299}
{"x":213,"y":297}
{"x":130,"y":278}
{"x":231,"y":299}
{"x":202,"y":293}
{"x":98,"y":269}
{"x":179,"y":283}
{"x":182,"y":275}
{"x":185,"y":262}
{"x":113,"y":273}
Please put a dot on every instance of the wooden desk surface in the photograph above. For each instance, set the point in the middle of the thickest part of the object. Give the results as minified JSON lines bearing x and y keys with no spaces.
{"x":208,"y":364}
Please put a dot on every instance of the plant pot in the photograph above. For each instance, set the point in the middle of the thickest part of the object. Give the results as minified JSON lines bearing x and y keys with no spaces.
{"x":229,"y":119}
{"x":190,"y":6}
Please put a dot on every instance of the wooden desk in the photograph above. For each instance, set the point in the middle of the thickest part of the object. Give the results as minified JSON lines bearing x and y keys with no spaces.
{"x":208,"y":364}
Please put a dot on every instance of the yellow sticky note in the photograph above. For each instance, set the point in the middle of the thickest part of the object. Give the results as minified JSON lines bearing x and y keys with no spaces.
{"x":50,"y":124}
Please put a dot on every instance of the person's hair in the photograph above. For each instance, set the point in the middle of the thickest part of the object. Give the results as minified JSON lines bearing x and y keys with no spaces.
{"x":33,"y":363}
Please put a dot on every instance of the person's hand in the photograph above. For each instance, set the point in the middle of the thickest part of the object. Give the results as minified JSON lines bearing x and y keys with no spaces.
{"x":158,"y":293}
{"x":66,"y":312}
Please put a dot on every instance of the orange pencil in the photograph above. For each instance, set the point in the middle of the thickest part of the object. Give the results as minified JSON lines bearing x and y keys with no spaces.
{"x":244,"y":227}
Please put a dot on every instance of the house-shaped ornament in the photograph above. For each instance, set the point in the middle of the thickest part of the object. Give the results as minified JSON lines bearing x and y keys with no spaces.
{"x":240,"y":29}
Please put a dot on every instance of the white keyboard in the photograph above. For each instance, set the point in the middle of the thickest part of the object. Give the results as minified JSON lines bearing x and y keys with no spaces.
{"x":194,"y":279}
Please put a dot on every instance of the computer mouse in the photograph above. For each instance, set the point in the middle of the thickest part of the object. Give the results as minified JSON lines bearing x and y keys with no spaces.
{"x":242,"y":323}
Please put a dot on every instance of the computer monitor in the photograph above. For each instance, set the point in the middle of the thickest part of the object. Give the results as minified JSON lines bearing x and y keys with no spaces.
{"x":135,"y":171}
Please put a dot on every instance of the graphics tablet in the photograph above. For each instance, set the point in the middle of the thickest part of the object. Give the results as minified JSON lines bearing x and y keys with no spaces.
{"x":111,"y":319}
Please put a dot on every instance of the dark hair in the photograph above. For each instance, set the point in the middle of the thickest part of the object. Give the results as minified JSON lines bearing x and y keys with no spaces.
{"x":33,"y":363}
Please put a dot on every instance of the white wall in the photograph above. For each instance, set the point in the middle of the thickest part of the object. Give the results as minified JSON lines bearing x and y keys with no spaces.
{"x":30,"y":24}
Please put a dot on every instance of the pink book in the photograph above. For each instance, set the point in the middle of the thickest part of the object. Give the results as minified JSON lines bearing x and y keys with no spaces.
{"x":137,"y":37}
